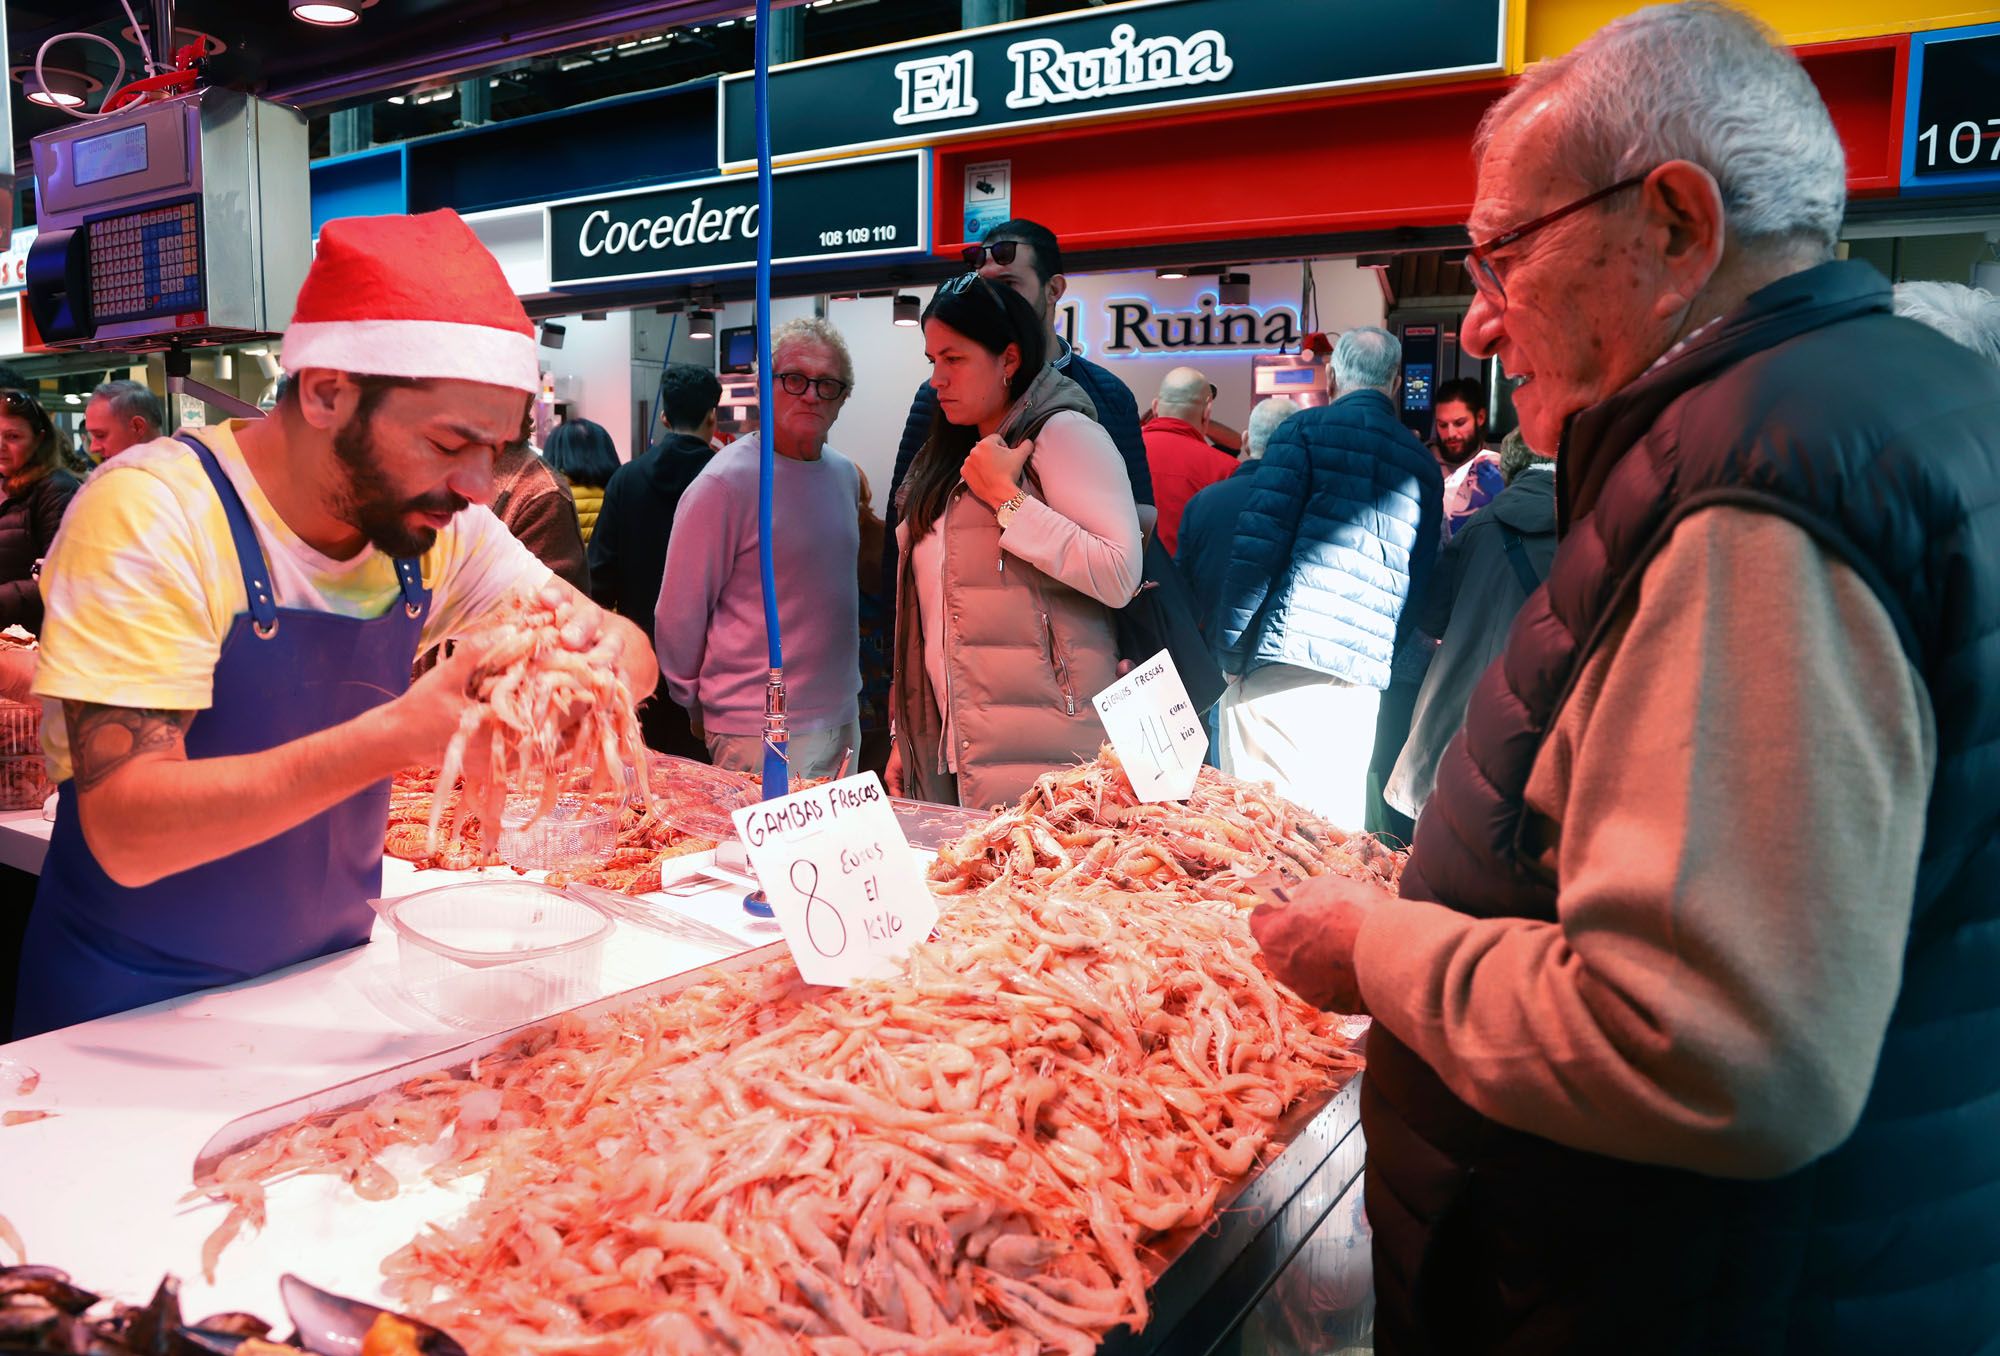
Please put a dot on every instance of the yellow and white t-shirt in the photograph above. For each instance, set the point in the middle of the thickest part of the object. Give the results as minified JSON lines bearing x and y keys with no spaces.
{"x":142,"y":583}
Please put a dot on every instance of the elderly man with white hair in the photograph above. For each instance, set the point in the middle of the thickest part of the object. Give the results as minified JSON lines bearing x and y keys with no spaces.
{"x":1338,"y":533}
{"x":1684,"y":1024}
{"x":709,"y":625}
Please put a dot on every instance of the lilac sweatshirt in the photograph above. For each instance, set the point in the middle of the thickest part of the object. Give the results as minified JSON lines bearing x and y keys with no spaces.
{"x":708,"y":627}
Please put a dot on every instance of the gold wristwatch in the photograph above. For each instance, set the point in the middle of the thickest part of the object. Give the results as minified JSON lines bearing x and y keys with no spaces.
{"x":1005,"y":513}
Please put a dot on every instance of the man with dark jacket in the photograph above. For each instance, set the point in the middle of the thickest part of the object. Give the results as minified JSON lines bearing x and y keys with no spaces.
{"x":1683,"y":1025}
{"x":1487,"y":571}
{"x":1340,"y":532}
{"x":1208,"y":524}
{"x":628,"y":551}
{"x":1025,"y":256}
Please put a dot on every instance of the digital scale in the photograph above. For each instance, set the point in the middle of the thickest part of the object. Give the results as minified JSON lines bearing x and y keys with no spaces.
{"x":1299,"y":375}
{"x":170,"y":225}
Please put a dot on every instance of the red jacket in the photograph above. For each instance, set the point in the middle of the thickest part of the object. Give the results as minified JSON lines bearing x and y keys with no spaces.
{"x":1182,"y":464}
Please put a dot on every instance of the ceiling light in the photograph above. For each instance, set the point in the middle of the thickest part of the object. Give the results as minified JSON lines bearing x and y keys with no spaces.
{"x":595,"y":315}
{"x":1173,"y":273}
{"x":908,"y":310}
{"x":552,"y":334}
{"x":701,"y":324}
{"x":1233,"y":289}
{"x":57,"y":86}
{"x":330,"y":13}
{"x":843,"y":296}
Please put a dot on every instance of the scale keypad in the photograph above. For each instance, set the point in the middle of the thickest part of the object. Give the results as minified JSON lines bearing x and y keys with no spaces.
{"x":146,"y":264}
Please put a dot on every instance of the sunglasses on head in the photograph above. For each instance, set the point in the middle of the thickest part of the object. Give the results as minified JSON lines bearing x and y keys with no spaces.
{"x":1002,"y":252}
{"x":973,"y":283}
{"x":23,"y":405}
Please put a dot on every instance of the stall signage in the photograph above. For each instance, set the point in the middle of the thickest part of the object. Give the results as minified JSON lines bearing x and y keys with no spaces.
{"x":855,"y":209}
{"x":14,"y":260}
{"x":1155,"y":729}
{"x":837,"y":869}
{"x":1140,"y":327}
{"x":1951,"y":126}
{"x":1146,"y":55}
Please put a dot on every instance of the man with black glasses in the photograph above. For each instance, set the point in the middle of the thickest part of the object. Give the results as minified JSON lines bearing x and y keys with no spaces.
{"x":709,"y":625}
{"x":1026,"y":256}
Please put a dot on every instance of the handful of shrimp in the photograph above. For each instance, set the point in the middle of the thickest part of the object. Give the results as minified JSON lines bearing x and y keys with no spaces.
{"x":552,"y":713}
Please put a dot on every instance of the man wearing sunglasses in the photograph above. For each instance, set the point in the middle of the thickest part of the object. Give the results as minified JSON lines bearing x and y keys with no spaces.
{"x":709,"y":625}
{"x":1683,"y":1025}
{"x":1025,"y":256}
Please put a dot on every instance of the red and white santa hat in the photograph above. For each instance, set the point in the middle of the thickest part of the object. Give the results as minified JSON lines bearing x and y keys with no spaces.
{"x":412,"y":296}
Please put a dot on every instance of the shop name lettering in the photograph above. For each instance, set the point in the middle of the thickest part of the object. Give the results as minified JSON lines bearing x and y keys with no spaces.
{"x":1046,"y":72}
{"x":1136,"y":328}
{"x":601,"y":235}
{"x":791,"y":816}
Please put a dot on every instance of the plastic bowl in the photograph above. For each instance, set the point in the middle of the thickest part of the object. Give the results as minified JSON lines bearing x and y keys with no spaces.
{"x":575,"y":835}
{"x":496,"y":953}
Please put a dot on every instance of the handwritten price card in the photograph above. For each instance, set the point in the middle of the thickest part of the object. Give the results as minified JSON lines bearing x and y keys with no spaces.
{"x":838,"y":872}
{"x":1154,"y":728}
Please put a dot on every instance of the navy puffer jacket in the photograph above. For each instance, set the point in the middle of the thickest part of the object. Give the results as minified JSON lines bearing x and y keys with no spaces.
{"x":1340,"y":534}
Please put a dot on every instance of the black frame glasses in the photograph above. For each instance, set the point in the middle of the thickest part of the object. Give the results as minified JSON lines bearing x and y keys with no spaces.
{"x":1002,"y":251}
{"x":1478,"y":261}
{"x":795,"y":384}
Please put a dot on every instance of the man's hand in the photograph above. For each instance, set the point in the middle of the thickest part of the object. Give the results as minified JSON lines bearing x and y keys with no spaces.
{"x":1309,"y":943}
{"x":992,"y":470}
{"x":892,"y":774}
{"x":428,"y":714}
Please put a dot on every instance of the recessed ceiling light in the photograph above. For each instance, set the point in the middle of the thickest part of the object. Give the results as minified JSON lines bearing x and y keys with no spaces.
{"x":329,"y":13}
{"x":56,"y":86}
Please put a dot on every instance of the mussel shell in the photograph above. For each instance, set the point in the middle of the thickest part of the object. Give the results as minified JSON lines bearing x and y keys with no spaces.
{"x":48,"y":1283}
{"x":333,"y":1325}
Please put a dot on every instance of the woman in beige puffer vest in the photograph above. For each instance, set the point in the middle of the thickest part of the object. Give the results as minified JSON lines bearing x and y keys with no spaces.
{"x":1020,"y":539}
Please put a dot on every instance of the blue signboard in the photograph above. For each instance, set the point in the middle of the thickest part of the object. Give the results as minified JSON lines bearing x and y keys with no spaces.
{"x":1951,"y":122}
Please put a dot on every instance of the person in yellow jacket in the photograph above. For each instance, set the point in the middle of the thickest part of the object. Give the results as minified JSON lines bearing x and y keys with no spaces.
{"x":585,"y":455}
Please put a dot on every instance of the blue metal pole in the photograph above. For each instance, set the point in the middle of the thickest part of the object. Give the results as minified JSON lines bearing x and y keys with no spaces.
{"x":777,"y":772}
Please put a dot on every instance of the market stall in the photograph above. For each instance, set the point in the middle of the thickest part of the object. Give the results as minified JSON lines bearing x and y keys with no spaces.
{"x":133,"y":1101}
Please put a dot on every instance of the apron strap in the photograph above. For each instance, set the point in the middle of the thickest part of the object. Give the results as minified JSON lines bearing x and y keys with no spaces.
{"x":250,"y":553}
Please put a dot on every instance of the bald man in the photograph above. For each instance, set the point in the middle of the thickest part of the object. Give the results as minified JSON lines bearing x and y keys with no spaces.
{"x":1178,"y":454}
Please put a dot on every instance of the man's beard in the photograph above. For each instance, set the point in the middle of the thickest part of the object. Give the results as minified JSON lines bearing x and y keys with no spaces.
{"x":369,"y":503}
{"x":1459,"y":455}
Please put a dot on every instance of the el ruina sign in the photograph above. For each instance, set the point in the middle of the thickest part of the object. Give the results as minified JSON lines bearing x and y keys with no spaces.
{"x":1140,"y":56}
{"x":857,"y":208}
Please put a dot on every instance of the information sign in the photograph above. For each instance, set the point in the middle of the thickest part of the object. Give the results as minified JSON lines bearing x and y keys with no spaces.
{"x":1154,"y":727}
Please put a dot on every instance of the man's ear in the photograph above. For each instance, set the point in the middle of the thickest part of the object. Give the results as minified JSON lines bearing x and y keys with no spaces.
{"x":1686,"y":227}
{"x":1058,"y":288}
{"x":326,"y":398}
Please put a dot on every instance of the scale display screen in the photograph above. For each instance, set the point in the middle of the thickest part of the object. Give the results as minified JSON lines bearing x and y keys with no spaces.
{"x":145,"y":264}
{"x":110,"y":156}
{"x":1417,"y":387}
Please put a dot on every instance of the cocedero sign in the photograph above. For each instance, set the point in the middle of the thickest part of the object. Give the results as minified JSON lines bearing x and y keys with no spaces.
{"x":876,"y":205}
{"x":1142,"y":55}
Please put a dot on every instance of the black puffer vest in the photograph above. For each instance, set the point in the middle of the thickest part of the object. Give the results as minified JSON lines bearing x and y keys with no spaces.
{"x":1882,"y":439}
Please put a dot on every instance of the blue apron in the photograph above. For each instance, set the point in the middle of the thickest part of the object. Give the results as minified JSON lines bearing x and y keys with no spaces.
{"x":95,"y":947}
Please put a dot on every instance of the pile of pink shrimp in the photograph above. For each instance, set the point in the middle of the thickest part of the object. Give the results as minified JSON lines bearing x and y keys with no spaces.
{"x":553,"y":704}
{"x":982,"y":1155}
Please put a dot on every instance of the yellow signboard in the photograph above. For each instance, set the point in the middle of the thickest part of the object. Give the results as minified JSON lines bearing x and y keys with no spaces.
{"x":1546,"y":28}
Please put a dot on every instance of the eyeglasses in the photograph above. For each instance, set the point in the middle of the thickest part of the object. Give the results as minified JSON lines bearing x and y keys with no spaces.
{"x":1479,"y":262}
{"x":1002,"y":252}
{"x":828,"y":389}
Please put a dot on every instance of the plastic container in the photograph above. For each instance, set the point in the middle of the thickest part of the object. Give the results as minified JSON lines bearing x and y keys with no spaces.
{"x":24,"y":781}
{"x":20,"y":728}
{"x":575,"y":835}
{"x":696,"y":799}
{"x":488,"y":954}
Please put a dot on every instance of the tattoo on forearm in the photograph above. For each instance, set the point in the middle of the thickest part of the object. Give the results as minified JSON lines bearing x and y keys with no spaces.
{"x":103,"y":739}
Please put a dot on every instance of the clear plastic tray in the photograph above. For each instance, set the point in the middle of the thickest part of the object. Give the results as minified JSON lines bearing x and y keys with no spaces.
{"x":696,"y":799}
{"x":575,"y":835}
{"x":484,"y":954}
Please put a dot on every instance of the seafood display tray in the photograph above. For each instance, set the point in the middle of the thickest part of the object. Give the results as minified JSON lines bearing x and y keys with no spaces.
{"x":1206,"y":1278}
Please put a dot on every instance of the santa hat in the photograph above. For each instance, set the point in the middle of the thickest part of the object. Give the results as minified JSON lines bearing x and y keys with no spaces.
{"x":410,"y":297}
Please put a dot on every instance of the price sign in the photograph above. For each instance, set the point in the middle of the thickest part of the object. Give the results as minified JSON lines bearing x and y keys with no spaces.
{"x":1951,"y":137}
{"x":1155,"y":729}
{"x":838,"y":872}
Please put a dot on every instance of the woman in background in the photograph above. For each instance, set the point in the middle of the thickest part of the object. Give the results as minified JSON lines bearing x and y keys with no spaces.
{"x":37,"y":494}
{"x":1019,"y":540}
{"x":583,"y":453}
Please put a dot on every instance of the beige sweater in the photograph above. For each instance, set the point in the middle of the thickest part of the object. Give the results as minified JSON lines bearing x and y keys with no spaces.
{"x":1736,"y":793}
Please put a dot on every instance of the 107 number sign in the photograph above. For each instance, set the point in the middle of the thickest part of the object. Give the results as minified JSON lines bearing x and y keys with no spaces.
{"x":1963,"y":144}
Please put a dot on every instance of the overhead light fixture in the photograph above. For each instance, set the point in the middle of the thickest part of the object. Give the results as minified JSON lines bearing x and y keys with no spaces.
{"x":330,"y":13}
{"x":908,"y":310}
{"x":595,"y":315}
{"x":1172,"y":273}
{"x":1233,"y":289}
{"x":225,"y":367}
{"x":701,"y":324}
{"x":552,"y":334}
{"x":843,"y":296}
{"x":56,"y":86}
